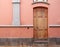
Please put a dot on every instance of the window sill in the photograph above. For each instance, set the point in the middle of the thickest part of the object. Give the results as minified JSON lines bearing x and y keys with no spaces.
{"x":41,"y":2}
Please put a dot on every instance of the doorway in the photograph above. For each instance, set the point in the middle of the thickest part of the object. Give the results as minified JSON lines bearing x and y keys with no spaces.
{"x":40,"y":22}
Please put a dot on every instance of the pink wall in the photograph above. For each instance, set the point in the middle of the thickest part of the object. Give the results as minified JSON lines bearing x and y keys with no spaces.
{"x":54,"y":32}
{"x":54,"y":12}
{"x":26,"y":12}
{"x":27,"y":18}
{"x":5,"y":12}
{"x":16,"y":32}
{"x":54,"y":17}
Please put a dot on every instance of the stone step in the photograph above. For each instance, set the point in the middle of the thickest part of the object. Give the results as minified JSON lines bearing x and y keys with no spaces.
{"x":41,"y":42}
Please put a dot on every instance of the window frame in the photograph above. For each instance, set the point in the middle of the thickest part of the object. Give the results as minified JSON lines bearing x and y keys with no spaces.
{"x":40,"y":1}
{"x":16,"y":7}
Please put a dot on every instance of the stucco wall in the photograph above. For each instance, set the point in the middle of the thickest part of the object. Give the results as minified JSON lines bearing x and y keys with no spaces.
{"x":26,"y":12}
{"x":27,"y":18}
{"x":54,"y":18}
{"x":5,"y":12}
{"x":54,"y":32}
{"x":16,"y":32}
{"x":54,"y":12}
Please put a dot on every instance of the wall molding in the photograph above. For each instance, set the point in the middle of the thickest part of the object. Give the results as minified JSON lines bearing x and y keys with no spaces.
{"x":16,"y":26}
{"x":54,"y":26}
{"x":30,"y":26}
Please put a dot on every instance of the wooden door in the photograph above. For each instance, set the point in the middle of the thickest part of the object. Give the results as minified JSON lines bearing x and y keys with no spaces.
{"x":40,"y":22}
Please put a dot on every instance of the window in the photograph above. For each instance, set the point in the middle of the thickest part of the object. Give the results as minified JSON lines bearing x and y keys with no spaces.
{"x":16,"y":12}
{"x":40,"y":0}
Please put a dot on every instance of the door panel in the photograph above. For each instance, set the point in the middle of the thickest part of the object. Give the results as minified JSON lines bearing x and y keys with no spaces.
{"x":40,"y":22}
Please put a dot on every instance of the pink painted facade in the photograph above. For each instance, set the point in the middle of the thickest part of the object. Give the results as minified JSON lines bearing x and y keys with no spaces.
{"x":5,"y":12}
{"x":26,"y":18}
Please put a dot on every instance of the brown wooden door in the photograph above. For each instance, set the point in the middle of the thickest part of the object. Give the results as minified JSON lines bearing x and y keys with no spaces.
{"x":40,"y":22}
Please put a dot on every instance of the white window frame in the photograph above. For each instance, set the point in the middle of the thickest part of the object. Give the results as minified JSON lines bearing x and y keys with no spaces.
{"x":16,"y":12}
{"x":40,"y":0}
{"x":15,"y":0}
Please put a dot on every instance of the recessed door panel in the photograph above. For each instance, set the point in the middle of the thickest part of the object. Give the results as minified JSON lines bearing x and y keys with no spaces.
{"x":40,"y":23}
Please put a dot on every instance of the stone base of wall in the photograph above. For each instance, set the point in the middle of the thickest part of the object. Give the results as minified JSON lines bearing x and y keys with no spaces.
{"x":29,"y":42}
